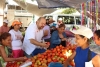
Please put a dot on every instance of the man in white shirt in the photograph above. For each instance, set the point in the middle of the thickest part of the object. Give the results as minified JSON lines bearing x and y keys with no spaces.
{"x":33,"y":37}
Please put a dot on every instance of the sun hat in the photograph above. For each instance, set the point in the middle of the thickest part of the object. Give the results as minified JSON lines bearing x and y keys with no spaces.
{"x":85,"y":31}
{"x":16,"y":22}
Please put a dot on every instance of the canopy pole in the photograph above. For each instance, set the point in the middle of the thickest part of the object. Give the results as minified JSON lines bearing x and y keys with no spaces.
{"x":1,"y":13}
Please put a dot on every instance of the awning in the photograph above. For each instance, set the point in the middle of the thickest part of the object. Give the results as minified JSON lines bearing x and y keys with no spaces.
{"x":59,"y":3}
{"x":34,"y":8}
{"x":51,"y":4}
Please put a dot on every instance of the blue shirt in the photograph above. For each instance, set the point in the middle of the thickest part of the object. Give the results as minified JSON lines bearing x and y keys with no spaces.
{"x":55,"y":39}
{"x":53,"y":25}
{"x":82,"y":56}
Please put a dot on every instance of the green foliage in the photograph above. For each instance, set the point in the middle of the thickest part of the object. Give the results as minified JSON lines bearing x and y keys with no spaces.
{"x":69,"y":11}
{"x":32,"y":0}
{"x":25,"y":0}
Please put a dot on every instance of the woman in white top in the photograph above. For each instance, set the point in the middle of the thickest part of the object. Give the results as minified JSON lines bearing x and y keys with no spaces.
{"x":16,"y":39}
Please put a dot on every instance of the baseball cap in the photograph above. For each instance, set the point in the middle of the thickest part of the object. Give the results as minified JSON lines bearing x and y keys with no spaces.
{"x":6,"y":21}
{"x":16,"y":22}
{"x":85,"y":31}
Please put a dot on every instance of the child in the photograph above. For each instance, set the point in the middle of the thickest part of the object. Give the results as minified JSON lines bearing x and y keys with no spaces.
{"x":83,"y":53}
{"x":16,"y":40}
{"x":5,"y":40}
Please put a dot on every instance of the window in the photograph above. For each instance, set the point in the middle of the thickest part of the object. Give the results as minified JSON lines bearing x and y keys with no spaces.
{"x":67,"y":19}
{"x":78,"y":20}
{"x":47,"y":17}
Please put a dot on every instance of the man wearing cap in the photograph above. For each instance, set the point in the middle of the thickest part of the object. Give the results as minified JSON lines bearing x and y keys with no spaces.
{"x":52,"y":25}
{"x":5,"y":27}
{"x":51,"y":22}
{"x":32,"y":44}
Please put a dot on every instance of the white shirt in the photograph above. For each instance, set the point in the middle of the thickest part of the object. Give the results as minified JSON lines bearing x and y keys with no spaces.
{"x":16,"y":37}
{"x":32,"y":32}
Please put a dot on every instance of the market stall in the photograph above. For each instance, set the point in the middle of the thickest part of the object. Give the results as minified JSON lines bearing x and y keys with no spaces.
{"x":58,"y":54}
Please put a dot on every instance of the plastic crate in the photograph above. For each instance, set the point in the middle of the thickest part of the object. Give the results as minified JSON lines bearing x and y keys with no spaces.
{"x":55,"y":64}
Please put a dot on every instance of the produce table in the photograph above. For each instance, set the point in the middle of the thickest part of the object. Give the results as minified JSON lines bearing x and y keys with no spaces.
{"x":58,"y":54}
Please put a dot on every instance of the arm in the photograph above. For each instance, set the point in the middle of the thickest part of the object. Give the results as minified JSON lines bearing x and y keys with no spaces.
{"x":96,"y":61}
{"x":0,"y":33}
{"x":0,"y":30}
{"x":5,"y":57}
{"x":65,"y":36}
{"x":33,"y":41}
{"x":67,"y":62}
{"x":46,"y":32}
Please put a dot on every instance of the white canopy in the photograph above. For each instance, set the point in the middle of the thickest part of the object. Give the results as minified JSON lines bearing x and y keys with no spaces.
{"x":33,"y":8}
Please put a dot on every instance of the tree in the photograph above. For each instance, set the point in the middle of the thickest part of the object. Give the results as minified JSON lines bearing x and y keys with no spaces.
{"x":69,"y":11}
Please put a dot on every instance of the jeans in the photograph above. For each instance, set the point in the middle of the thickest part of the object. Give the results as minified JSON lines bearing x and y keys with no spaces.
{"x":37,"y":51}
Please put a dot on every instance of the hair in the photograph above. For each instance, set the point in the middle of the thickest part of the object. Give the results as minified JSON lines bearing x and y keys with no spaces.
{"x":47,"y":21}
{"x":61,"y":25}
{"x":97,"y":32}
{"x":11,"y":27}
{"x":88,"y":41}
{"x":4,"y":36}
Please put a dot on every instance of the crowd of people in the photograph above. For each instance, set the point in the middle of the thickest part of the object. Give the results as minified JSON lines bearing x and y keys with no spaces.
{"x":42,"y":31}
